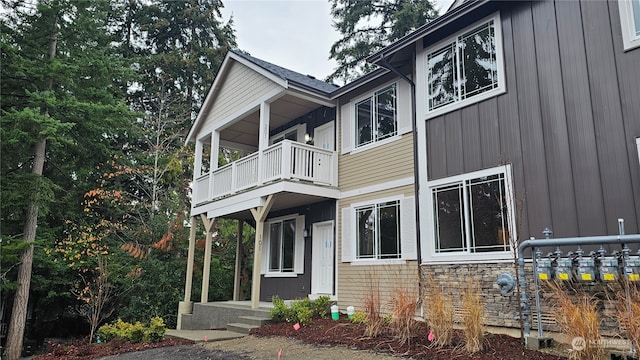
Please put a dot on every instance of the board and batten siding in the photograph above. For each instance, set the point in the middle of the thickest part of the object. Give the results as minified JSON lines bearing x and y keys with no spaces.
{"x":356,"y":281}
{"x":567,"y":122}
{"x":241,"y":86}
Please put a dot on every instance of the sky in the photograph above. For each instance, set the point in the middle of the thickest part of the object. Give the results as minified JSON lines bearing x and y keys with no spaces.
{"x":295,"y":34}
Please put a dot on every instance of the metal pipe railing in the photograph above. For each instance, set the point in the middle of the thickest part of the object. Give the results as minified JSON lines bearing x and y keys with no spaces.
{"x":538,"y":243}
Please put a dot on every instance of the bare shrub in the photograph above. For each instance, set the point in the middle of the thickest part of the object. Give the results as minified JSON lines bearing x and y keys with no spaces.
{"x":627,"y":305}
{"x":372,"y":305}
{"x":577,"y":316}
{"x":472,"y":319}
{"x":403,"y":308}
{"x":439,"y":313}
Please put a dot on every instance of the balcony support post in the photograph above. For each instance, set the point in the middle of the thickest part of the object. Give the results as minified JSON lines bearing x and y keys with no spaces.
{"x":186,"y":306}
{"x":238,"y":268}
{"x":208,"y":226}
{"x":259,"y":215}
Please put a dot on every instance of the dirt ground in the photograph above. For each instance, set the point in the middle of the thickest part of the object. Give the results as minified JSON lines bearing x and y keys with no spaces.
{"x":262,"y":348}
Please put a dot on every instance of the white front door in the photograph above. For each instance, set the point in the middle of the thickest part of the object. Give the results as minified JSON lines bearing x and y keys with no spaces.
{"x":322,"y":258}
{"x":323,"y":136}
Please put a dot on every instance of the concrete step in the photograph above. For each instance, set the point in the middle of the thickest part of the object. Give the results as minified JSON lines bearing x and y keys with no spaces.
{"x":254,"y":320}
{"x":240,"y":328}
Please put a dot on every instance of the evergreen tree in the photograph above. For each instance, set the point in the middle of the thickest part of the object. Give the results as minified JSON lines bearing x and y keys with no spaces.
{"x":367,"y":26}
{"x":61,"y":113}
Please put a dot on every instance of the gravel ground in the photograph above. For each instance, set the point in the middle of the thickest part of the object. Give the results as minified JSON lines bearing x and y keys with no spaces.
{"x":250,"y":348}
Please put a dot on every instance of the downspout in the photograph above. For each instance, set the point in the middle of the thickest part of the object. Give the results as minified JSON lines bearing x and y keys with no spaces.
{"x":533,"y":243}
{"x":416,"y":186}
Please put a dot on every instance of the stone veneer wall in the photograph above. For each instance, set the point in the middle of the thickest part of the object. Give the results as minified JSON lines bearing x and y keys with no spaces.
{"x":502,"y":311}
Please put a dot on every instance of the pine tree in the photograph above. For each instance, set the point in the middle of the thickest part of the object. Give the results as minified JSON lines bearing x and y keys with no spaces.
{"x":367,"y":26}
{"x":58,"y":96}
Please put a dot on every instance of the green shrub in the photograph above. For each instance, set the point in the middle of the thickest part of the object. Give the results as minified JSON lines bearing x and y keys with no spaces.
{"x":301,"y":312}
{"x":321,"y":306}
{"x":279,"y":311}
{"x":156,"y":330}
{"x":359,"y":317}
{"x":133,"y":333}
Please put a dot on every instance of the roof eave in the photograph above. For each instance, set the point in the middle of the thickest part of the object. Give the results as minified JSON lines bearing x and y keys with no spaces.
{"x":411,"y":38}
{"x":364,"y":79}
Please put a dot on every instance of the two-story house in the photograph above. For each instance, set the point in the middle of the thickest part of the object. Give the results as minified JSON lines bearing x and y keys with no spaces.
{"x":527,"y":117}
{"x":491,"y":123}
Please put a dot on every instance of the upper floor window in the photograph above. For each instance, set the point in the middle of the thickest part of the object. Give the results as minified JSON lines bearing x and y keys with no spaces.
{"x":376,"y":116}
{"x":465,"y":68}
{"x":630,"y":23}
{"x":471,"y":213}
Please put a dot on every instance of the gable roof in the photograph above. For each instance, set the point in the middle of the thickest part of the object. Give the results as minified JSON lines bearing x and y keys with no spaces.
{"x":286,"y":78}
{"x":305,"y":81}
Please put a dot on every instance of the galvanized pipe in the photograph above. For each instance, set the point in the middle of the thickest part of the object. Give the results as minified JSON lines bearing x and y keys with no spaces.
{"x":534,"y":243}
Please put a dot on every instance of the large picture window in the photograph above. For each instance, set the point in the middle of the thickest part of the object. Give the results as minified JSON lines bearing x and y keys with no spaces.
{"x":376,"y":116}
{"x":471,"y":215}
{"x":630,"y":23}
{"x":465,"y":69}
{"x":378,"y":231}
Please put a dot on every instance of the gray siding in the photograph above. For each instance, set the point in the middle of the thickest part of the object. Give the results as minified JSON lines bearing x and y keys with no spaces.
{"x":300,"y":286}
{"x":567,"y":122}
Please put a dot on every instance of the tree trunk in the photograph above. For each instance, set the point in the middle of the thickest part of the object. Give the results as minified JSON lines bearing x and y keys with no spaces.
{"x":21,"y":299}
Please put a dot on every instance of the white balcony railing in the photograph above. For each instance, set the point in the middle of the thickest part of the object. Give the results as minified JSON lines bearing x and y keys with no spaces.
{"x":285,"y":160}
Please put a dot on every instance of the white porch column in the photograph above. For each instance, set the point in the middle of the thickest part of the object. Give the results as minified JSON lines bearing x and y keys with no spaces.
{"x":186,"y":306}
{"x":263,"y":137}
{"x":238,"y":268}
{"x":208,"y":225}
{"x":259,"y":214}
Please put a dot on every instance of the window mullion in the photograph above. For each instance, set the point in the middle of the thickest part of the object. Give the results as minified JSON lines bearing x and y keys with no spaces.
{"x":281,"y":266}
{"x":374,"y":116}
{"x":458,"y":70}
{"x":376,"y":231}
{"x":466,"y":215}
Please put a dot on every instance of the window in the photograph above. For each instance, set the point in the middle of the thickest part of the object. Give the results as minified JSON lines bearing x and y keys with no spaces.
{"x":465,"y":69}
{"x":283,"y":253}
{"x":282,"y":235}
{"x":630,"y":23}
{"x":378,"y":231}
{"x":471,"y":213}
{"x":293,"y":134}
{"x":376,"y":116}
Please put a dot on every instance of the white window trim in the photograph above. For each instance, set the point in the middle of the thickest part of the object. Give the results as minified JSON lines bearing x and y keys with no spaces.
{"x":430,"y":256}
{"x":300,"y":130}
{"x":627,"y":24}
{"x":408,"y":239}
{"x":298,"y":259}
{"x":374,"y":109}
{"x":403,"y":118}
{"x":476,"y":98}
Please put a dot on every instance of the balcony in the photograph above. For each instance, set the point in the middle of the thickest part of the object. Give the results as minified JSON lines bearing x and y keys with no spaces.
{"x":286,"y":160}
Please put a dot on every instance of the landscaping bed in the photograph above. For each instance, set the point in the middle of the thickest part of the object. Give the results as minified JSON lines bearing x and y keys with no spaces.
{"x":327,"y":332}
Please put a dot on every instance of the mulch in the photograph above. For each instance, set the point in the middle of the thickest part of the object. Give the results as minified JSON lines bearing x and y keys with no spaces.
{"x":326,"y":332}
